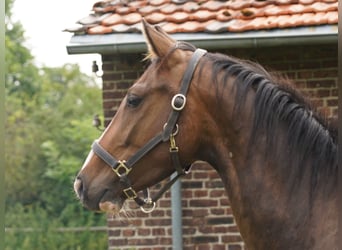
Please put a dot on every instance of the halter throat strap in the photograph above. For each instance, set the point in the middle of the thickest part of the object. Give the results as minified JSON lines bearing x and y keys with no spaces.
{"x":170,"y":130}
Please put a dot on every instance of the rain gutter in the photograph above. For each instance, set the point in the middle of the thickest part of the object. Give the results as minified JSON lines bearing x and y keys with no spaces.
{"x":121,"y":43}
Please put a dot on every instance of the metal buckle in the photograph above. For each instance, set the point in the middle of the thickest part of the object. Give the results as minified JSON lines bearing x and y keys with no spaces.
{"x":173,"y":146}
{"x":121,"y":169}
{"x":130,"y":193}
{"x":175,"y":103}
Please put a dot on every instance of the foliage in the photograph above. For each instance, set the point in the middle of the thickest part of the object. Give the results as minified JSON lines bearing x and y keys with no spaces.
{"x":49,"y":131}
{"x":36,"y":230}
{"x":48,"y":137}
{"x":21,"y":73}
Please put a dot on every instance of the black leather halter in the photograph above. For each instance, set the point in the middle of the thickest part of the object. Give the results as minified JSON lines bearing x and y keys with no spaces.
{"x":170,"y":130}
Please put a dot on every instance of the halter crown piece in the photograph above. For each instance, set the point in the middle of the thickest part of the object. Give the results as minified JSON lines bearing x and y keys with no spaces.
{"x":122,"y":167}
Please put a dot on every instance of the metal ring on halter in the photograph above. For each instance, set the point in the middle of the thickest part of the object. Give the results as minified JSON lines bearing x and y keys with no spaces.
{"x":174,"y":103}
{"x":151,"y":205}
{"x":173,"y":133}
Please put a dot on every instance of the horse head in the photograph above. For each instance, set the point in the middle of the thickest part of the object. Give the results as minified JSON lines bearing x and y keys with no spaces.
{"x":152,"y":131}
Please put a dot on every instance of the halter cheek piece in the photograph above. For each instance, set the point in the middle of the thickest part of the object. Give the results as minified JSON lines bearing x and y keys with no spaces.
{"x":122,"y":168}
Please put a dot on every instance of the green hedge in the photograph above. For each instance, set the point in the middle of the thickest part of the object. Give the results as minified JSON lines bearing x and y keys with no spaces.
{"x":30,"y":228}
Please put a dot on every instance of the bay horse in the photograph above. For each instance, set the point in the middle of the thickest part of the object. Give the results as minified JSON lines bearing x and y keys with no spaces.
{"x":275,"y":155}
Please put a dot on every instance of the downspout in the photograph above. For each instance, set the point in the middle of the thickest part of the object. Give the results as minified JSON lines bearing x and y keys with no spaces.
{"x":176,"y":215}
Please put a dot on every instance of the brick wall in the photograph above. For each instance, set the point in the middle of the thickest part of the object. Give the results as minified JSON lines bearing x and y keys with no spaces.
{"x":207,"y":219}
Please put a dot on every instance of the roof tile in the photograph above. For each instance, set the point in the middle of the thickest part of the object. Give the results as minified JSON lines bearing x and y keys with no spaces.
{"x":132,"y":18}
{"x":190,"y":7}
{"x":332,"y":17}
{"x":225,"y":15}
{"x":213,"y":5}
{"x":276,"y":10}
{"x":212,"y":16}
{"x":216,"y":27}
{"x":178,"y":17}
{"x":157,"y":2}
{"x":112,"y":19}
{"x":154,"y":18}
{"x":203,"y":15}
{"x":170,"y":8}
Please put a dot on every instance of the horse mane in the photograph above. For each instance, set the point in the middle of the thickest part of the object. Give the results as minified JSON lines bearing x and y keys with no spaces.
{"x":310,"y":139}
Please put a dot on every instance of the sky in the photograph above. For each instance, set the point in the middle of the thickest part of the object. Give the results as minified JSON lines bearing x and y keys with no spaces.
{"x":44,"y":20}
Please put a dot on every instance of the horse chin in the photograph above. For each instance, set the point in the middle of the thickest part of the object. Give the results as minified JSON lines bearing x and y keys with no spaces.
{"x":110,"y":207}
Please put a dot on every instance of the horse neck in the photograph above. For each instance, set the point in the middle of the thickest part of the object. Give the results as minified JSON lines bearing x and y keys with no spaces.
{"x":268,"y":211}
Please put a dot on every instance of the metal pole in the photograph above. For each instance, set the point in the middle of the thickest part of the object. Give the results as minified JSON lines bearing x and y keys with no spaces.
{"x":176,"y":204}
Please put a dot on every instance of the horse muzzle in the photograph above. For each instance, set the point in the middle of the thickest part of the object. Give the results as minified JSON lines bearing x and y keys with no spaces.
{"x":101,"y":200}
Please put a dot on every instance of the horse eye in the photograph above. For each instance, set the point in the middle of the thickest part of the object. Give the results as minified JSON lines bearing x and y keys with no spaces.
{"x":133,"y":101}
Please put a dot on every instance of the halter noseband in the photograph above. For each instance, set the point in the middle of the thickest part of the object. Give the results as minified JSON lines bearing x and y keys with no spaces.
{"x":121,"y":167}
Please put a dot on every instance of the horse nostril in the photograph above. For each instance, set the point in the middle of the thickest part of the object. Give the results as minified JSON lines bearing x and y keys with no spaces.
{"x":78,"y":187}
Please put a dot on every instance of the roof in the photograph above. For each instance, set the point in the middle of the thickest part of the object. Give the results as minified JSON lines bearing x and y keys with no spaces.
{"x":213,"y":16}
{"x":114,"y":22}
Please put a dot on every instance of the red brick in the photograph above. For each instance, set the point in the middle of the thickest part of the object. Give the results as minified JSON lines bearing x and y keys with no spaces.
{"x":233,"y":229}
{"x":324,"y":73}
{"x":304,"y":74}
{"x":234,"y":247}
{"x":332,"y":102}
{"x":108,"y":76}
{"x":224,"y":202}
{"x":200,"y":212}
{"x":321,"y":83}
{"x":219,"y":247}
{"x":114,"y":232}
{"x":220,"y":220}
{"x":165,"y":241}
{"x":158,"y":222}
{"x":118,"y":242}
{"x":217,"y":211}
{"x":200,"y":175}
{"x":217,"y":193}
{"x":200,"y":193}
{"x":231,"y":238}
{"x":192,"y":184}
{"x":158,"y":231}
{"x":203,"y":203}
{"x":113,"y":95}
{"x":144,"y":231}
{"x":207,"y":230}
{"x":204,"y":239}
{"x":142,"y":242}
{"x":221,"y":230}
{"x":323,"y":92}
{"x":334,"y":92}
{"x":330,"y":63}
{"x":128,"y":232}
{"x":187,"y":193}
{"x":214,"y":184}
{"x":130,"y":75}
{"x":202,"y":247}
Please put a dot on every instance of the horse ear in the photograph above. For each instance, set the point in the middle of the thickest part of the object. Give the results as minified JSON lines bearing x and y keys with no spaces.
{"x":158,"y":41}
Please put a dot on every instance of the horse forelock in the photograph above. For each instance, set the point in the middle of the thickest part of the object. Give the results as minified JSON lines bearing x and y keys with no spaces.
{"x":310,"y":139}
